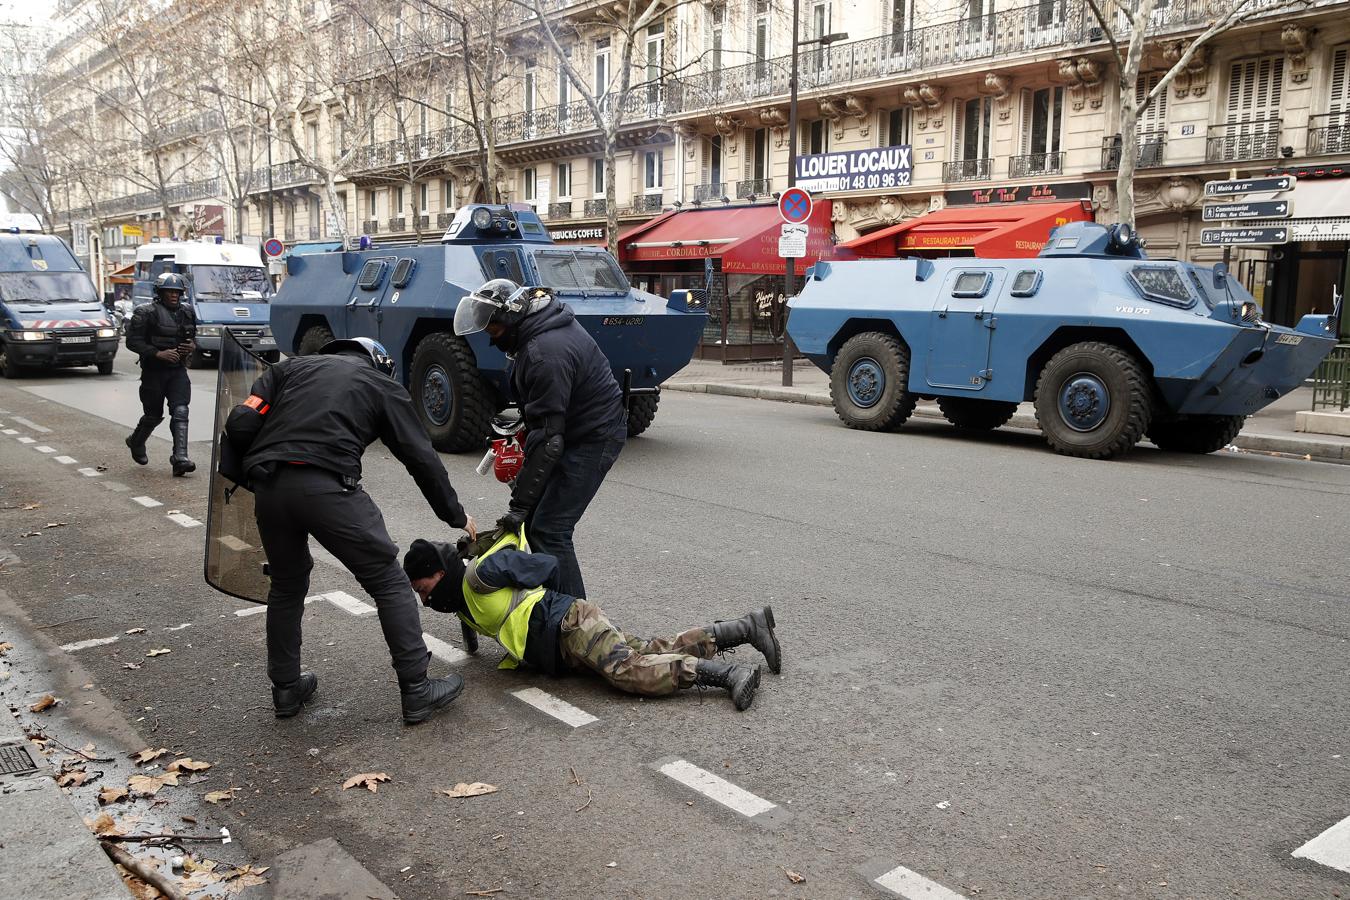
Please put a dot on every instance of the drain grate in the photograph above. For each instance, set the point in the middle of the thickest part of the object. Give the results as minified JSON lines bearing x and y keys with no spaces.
{"x":14,"y":760}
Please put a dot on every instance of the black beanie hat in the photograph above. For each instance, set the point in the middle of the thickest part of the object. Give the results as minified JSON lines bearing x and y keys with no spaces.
{"x":422,"y":560}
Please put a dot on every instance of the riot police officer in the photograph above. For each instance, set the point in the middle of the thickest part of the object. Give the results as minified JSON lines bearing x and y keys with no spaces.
{"x":163,"y":335}
{"x":573,"y":410}
{"x":301,"y":435}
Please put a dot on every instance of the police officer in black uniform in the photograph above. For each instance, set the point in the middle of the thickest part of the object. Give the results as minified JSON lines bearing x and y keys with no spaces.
{"x":573,"y":409}
{"x":163,"y":335}
{"x":301,"y":436}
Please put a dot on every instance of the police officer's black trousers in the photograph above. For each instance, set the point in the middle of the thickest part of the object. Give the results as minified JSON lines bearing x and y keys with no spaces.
{"x":571,"y":487}
{"x":300,"y":501}
{"x":160,"y":384}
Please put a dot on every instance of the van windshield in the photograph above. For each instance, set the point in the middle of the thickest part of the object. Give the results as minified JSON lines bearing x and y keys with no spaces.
{"x":41,"y":288}
{"x":234,"y":282}
{"x":568,"y":270}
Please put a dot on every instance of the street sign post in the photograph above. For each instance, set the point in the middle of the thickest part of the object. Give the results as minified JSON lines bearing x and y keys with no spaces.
{"x":1263,"y":209}
{"x":1227,"y":237}
{"x":794,"y":205}
{"x":792,"y":240}
{"x":1250,"y":186}
{"x":273,"y":247}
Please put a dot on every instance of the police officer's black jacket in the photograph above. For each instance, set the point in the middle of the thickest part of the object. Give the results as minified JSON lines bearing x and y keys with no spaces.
{"x":563,"y":382}
{"x":325,"y":410}
{"x":154,"y":327}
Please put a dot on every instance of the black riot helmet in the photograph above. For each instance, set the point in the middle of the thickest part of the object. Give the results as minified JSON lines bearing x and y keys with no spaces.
{"x":366,"y":346}
{"x":170,"y":281}
{"x":499,"y":301}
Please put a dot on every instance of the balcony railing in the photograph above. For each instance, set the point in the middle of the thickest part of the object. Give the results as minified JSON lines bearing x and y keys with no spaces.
{"x":314,"y":232}
{"x":967,"y":170}
{"x":1236,"y":141}
{"x":1033,"y":164}
{"x":201,"y":124}
{"x":1329,"y":133}
{"x":415,"y":148}
{"x":1151,"y":147}
{"x":755,"y":187}
{"x":371,"y":226}
{"x":645,"y":203}
{"x":713,"y":191}
{"x":398,"y":224}
{"x":596,"y":207}
{"x":423,"y":222}
{"x":576,"y":117}
{"x":561,"y":210}
{"x":444,"y":219}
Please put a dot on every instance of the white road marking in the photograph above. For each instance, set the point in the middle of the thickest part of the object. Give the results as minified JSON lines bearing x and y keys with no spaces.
{"x":65,"y":460}
{"x":43,"y":448}
{"x":183,"y":519}
{"x":28,"y":440}
{"x":92,"y":642}
{"x":443,"y":651}
{"x":11,"y":431}
{"x":913,"y":886}
{"x":115,"y":486}
{"x":89,"y":472}
{"x":234,"y":543}
{"x":559,"y":709}
{"x":719,"y":789}
{"x":1330,"y":848}
{"x":32,"y":425}
{"x":345,"y":601}
{"x":178,"y":627}
{"x":262,"y":608}
{"x":147,"y":502}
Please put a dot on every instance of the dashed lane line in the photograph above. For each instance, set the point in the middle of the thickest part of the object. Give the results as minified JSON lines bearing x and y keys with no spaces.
{"x":10,"y":431}
{"x":92,"y":642}
{"x":345,"y":601}
{"x":32,"y":426}
{"x":1331,"y":848}
{"x":911,"y":885}
{"x":183,"y":519}
{"x":65,"y":460}
{"x":43,"y":448}
{"x":557,"y":708}
{"x":115,"y":486}
{"x":89,"y":472}
{"x":147,"y":502}
{"x":28,"y":440}
{"x":262,"y":607}
{"x":734,"y":798}
{"x":443,"y":651}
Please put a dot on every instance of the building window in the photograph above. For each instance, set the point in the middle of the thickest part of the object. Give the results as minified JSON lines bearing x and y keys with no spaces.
{"x":759,"y":159}
{"x":372,"y":205}
{"x":973,"y":128}
{"x":423,"y":195}
{"x":312,"y":139}
{"x":1042,"y":118}
{"x":598,"y":176}
{"x":564,"y":180}
{"x":1255,"y":87}
{"x":817,"y":137}
{"x":717,"y":17}
{"x":712,"y":160}
{"x":448,"y":194}
{"x":564,"y":83}
{"x":760,"y":38}
{"x":531,"y":77}
{"x":656,"y":51}
{"x":529,"y":185}
{"x":652,"y":161}
{"x":602,"y":67}
{"x":398,"y":202}
{"x":422,"y":121}
{"x":896,"y":127}
{"x":902,"y":20}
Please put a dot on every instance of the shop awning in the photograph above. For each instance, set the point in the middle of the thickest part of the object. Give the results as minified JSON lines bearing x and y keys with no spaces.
{"x":125,"y":275}
{"x":745,"y":238}
{"x":1013,"y":230}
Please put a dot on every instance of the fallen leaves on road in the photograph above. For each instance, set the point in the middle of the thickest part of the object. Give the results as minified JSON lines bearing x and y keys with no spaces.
{"x":5,"y":647}
{"x":477,"y":789}
{"x":149,"y":785}
{"x":105,"y":824}
{"x":367,"y":780}
{"x":187,"y":764}
{"x":244,"y":877}
{"x":131,"y":665}
{"x":161,"y":652}
{"x":200,"y":875}
{"x":31,"y":534}
{"x":31,"y":506}
{"x":148,"y":754}
{"x":111,"y":795}
{"x":794,"y":877}
{"x":221,"y":796}
{"x":73,"y":778}
{"x":47,"y":702}
{"x":134,"y":631}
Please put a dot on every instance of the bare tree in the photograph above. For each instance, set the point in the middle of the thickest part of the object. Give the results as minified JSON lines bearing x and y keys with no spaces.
{"x":1125,"y":24}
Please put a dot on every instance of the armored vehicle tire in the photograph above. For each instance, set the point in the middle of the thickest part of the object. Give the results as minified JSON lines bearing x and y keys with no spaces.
{"x":641,"y":411}
{"x":1196,"y":434}
{"x":313,"y":339}
{"x":1093,"y":400}
{"x":970,"y":414}
{"x":450,"y":396}
{"x":105,"y":368}
{"x":868,"y":382}
{"x":8,"y":368}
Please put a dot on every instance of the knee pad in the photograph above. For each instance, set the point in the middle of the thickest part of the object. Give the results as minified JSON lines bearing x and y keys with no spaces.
{"x":178,"y":413}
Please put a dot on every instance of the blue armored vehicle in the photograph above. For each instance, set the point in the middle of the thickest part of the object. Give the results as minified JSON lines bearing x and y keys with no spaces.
{"x":405,"y":297}
{"x":1110,"y":345}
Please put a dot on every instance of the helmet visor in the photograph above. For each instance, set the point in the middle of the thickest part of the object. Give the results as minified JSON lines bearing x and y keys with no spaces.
{"x":473,"y":314}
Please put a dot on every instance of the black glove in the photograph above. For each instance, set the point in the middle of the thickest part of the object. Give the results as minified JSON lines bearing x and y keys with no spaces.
{"x":512,"y":521}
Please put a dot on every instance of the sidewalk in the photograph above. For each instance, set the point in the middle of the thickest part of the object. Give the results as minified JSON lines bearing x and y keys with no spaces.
{"x":1271,"y":430}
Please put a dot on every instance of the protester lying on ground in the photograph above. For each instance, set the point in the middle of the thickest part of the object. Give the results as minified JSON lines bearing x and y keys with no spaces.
{"x":503,"y":593}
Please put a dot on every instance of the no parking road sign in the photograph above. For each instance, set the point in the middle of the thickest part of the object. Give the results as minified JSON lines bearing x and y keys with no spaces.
{"x":794,"y":205}
{"x":274,"y":247}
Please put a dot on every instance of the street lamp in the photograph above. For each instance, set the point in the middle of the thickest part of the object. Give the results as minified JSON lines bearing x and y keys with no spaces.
{"x":790,"y":273}
{"x":267,"y":127}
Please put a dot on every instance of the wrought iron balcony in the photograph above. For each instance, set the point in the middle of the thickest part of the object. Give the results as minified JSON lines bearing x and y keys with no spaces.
{"x":398,"y":224}
{"x":190,"y":126}
{"x":561,"y":210}
{"x":576,"y":117}
{"x":1329,"y":133}
{"x":967,"y":170}
{"x":1033,"y":164}
{"x":1152,"y":145}
{"x":755,"y":187}
{"x":288,"y":174}
{"x":645,"y":203}
{"x":1236,"y":141}
{"x":370,"y":227}
{"x":415,"y":148}
{"x":596,"y":207}
{"x":423,"y":222}
{"x":713,"y":191}
{"x":444,"y":219}
{"x":314,"y":232}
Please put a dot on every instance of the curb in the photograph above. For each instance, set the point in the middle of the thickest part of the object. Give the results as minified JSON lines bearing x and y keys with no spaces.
{"x":1323,"y":451}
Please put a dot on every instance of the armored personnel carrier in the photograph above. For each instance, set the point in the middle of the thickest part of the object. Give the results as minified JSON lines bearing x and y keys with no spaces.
{"x":405,"y":297}
{"x":1110,"y":345}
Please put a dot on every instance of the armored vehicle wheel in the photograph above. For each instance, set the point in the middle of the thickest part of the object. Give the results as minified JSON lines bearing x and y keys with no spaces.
{"x":970,"y":414}
{"x":451,"y":399}
{"x":1196,"y":434}
{"x":867,"y":382}
{"x":314,"y":338}
{"x":105,"y":368}
{"x":641,"y":411}
{"x":8,"y":368}
{"x":1093,"y":400}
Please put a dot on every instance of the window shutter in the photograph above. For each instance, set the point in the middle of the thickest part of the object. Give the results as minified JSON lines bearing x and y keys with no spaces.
{"x":1339,"y":101}
{"x":1155,"y":117}
{"x":958,"y":125}
{"x":748,"y":155}
{"x":706,"y":175}
{"x":1028,"y":99}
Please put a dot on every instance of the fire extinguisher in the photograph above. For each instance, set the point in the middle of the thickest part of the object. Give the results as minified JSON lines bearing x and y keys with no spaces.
{"x":506,"y":454}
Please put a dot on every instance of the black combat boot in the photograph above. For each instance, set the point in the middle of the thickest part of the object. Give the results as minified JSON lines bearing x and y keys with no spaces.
{"x":423,"y":696}
{"x":178,"y":426}
{"x":755,"y":629}
{"x":136,"y":440}
{"x":741,"y":681}
{"x":288,"y":698}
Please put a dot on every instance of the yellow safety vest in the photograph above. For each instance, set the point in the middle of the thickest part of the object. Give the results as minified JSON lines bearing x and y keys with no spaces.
{"x":502,"y":614}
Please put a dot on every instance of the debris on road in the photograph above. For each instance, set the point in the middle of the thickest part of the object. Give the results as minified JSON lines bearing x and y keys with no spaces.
{"x":368,"y":780}
{"x":476,"y":789}
{"x":148,"y":755}
{"x":47,"y":702}
{"x":149,"y":785}
{"x":112,"y":795}
{"x":187,"y":764}
{"x":161,"y":652}
{"x":220,"y":796}
{"x":795,"y":877}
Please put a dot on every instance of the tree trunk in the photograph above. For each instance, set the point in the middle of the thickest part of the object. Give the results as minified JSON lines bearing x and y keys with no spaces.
{"x":1129,"y":155}
{"x":339,"y":213}
{"x":611,"y":206}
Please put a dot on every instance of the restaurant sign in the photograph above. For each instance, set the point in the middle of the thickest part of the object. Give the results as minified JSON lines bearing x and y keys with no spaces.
{"x":1020,"y":193}
{"x":596,"y":233}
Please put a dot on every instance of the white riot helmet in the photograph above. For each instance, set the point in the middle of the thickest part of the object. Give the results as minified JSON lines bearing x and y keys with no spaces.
{"x":500,"y":300}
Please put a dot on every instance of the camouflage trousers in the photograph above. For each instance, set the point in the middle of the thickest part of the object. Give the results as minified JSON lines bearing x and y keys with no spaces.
{"x":651,"y":668}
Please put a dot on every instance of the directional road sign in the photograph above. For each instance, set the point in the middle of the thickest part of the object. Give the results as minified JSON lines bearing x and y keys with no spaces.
{"x":792,"y":240}
{"x":1250,"y":186}
{"x":1263,"y":209}
{"x":274,"y":247}
{"x":794,"y":205}
{"x":1218,"y":237}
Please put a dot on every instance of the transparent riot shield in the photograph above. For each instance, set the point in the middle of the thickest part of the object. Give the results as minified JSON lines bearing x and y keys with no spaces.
{"x":234,"y":555}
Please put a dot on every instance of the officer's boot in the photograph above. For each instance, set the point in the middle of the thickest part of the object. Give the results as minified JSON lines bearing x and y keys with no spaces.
{"x":741,"y":681}
{"x":423,"y":696}
{"x":288,"y":698}
{"x":178,"y":426}
{"x":755,"y":629}
{"x":136,"y":440}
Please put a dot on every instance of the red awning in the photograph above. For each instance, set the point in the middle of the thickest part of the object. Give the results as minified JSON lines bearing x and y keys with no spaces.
{"x":744,"y":237}
{"x":992,"y":232}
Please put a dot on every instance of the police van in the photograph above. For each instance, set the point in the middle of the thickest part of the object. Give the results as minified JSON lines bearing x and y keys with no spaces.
{"x":228,"y":288}
{"x":50,"y":314}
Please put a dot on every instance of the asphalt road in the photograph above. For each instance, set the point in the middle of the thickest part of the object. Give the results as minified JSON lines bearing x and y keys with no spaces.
{"x":1010,"y":673}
